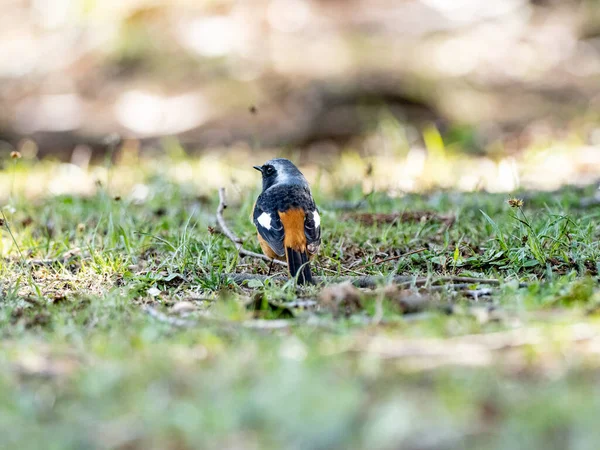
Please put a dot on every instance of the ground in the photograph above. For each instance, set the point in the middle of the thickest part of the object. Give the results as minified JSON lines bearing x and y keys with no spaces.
{"x":122,"y":325}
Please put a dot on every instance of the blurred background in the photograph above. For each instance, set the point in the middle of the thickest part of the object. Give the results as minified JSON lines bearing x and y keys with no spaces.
{"x":401,"y":95}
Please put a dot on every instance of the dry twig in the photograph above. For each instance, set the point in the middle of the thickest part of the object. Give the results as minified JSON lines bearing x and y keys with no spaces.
{"x":233,"y":238}
{"x":393,"y":258}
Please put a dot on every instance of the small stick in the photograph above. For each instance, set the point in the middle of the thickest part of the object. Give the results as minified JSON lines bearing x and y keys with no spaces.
{"x":222,"y":206}
{"x":237,"y":242}
{"x":374,"y":281}
{"x":346,"y":269}
{"x":476,"y":293}
{"x":473,"y":280}
{"x":459,"y":287}
{"x":393,"y":258}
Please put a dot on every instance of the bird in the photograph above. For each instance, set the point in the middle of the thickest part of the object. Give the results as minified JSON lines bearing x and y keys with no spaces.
{"x":286,"y":218}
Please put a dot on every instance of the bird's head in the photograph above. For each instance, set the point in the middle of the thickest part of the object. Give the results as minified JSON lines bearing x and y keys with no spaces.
{"x":280,"y":171}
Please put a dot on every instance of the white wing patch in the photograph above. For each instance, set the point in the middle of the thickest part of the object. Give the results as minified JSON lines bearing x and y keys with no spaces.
{"x":265,"y":220}
{"x":317,"y":218}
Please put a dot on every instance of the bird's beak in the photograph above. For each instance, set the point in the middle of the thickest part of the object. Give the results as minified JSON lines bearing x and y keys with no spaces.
{"x":259,"y":168}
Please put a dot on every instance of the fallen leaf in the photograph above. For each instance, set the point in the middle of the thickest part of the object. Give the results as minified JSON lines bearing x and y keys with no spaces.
{"x":154,"y":291}
{"x":254,"y":284}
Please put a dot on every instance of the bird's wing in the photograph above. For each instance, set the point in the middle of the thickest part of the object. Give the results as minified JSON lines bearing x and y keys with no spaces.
{"x":270,"y":228}
{"x":312,"y":229}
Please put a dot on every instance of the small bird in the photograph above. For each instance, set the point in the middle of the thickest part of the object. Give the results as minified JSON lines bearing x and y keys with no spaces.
{"x":286,"y":217}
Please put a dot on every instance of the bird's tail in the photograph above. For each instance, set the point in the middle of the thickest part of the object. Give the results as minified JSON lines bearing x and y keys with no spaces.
{"x":299,"y":265}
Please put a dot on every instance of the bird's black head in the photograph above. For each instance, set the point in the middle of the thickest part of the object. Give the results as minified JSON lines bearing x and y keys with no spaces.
{"x":280,"y":171}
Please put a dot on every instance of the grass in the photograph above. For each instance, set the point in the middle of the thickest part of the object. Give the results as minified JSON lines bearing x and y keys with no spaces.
{"x":84,"y":365}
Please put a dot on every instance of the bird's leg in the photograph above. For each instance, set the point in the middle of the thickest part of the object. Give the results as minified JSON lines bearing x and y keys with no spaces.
{"x":270,"y":267}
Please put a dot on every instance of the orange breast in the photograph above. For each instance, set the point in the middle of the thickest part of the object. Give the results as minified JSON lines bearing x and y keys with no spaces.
{"x":293,"y":227}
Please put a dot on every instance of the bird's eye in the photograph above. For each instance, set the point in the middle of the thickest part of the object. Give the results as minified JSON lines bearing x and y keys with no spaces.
{"x":270,"y":170}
